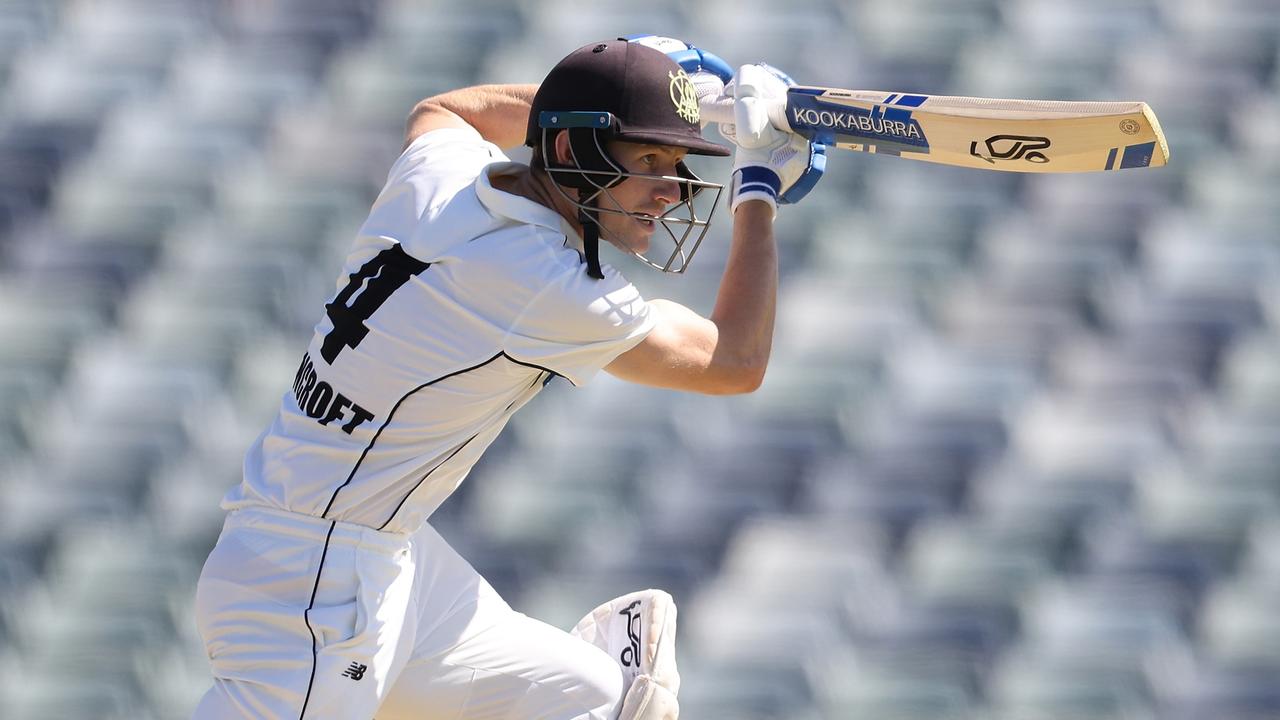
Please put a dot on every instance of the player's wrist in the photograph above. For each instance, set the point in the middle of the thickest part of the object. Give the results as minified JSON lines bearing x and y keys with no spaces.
{"x":756,"y":208}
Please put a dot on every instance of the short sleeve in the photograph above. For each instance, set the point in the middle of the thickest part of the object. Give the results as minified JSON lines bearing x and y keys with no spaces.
{"x":424,"y":183}
{"x":448,"y":152}
{"x":577,"y":325}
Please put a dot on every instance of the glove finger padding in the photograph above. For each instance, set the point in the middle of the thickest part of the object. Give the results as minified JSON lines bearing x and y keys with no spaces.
{"x":690,"y":57}
{"x":754,"y":88}
{"x":707,"y":86}
{"x":648,"y":700}
{"x":638,"y":631}
{"x":770,"y":164}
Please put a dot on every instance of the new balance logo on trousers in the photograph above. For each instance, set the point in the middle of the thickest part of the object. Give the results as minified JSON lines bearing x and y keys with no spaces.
{"x":355,"y":671}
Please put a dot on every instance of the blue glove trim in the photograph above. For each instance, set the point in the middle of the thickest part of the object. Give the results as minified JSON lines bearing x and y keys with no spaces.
{"x":778,"y":74}
{"x":690,"y":59}
{"x":713,"y":64}
{"x":693,"y":59}
{"x":755,"y":178}
{"x":811,"y":176}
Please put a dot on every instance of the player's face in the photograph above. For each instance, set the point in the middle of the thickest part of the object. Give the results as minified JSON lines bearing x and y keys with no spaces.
{"x":645,"y":196}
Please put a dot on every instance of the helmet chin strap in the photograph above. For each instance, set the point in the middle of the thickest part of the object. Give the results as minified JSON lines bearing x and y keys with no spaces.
{"x":588,"y":210}
{"x":591,"y":240}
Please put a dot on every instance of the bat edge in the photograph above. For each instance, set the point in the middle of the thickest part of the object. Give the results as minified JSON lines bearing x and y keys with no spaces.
{"x":1161,"y":142}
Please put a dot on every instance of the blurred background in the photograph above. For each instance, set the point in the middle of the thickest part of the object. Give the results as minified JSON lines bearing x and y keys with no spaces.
{"x":1017,"y":457}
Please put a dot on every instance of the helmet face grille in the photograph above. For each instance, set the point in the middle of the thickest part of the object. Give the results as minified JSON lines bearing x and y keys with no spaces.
{"x":685,"y":223}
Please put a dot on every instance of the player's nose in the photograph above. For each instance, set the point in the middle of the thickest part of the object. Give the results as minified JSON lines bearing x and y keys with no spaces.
{"x":666,"y":191}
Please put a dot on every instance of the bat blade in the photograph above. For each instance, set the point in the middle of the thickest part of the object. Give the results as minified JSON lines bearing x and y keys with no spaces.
{"x":1041,"y":136}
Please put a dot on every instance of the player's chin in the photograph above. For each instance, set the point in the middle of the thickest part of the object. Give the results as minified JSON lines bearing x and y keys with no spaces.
{"x":641,"y":233}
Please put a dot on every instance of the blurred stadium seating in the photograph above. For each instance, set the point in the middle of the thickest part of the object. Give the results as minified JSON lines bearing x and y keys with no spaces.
{"x":1017,"y":458}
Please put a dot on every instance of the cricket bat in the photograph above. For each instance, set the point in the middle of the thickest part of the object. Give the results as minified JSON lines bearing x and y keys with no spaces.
{"x":1039,"y":136}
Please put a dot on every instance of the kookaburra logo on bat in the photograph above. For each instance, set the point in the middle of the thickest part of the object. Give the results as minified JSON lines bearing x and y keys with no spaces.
{"x":1012,"y":147}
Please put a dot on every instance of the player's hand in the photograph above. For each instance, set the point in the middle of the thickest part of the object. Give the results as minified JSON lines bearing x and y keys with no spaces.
{"x":777,"y":166}
{"x":708,"y":72}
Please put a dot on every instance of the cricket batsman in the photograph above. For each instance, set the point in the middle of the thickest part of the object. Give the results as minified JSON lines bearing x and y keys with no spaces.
{"x":474,"y":282}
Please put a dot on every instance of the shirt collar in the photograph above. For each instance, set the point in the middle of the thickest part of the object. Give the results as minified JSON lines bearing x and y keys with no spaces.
{"x":521,"y":209}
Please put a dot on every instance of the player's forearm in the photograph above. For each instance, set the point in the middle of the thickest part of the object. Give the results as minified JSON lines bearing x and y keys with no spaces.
{"x":747,"y":301}
{"x":499,"y":112}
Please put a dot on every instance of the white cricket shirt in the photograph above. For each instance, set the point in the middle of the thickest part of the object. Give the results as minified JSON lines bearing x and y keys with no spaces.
{"x":456,"y":304}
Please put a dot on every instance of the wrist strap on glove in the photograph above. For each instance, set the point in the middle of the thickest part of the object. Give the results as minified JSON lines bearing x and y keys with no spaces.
{"x":754,"y":182}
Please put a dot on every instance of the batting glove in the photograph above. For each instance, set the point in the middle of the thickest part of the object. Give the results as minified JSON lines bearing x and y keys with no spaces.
{"x":773,"y":165}
{"x":707,"y":71}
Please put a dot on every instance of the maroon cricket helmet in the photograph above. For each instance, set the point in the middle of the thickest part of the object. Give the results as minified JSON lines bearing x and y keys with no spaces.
{"x":649,"y":97}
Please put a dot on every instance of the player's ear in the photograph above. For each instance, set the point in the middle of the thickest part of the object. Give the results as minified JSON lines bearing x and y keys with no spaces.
{"x":560,"y":148}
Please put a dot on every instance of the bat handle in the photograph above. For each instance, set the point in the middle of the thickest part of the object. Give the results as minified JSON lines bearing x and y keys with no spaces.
{"x":720,"y":110}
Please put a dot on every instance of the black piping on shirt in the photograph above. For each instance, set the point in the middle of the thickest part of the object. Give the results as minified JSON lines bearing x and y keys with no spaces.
{"x":392,"y":414}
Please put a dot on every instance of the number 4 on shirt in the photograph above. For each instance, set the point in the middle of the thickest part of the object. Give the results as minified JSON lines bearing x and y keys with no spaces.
{"x":366,"y":290}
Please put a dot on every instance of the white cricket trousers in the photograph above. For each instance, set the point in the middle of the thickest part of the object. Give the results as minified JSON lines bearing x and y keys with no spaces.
{"x":308,"y":619}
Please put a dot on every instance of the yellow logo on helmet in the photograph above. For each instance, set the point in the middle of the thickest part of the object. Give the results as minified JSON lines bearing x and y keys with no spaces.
{"x":684,"y":96}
